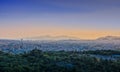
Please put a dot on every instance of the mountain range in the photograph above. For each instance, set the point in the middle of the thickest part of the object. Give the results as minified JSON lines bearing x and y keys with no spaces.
{"x":47,"y":37}
{"x":109,"y":38}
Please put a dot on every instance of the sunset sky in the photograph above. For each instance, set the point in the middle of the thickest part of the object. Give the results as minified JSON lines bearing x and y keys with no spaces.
{"x":85,"y":19}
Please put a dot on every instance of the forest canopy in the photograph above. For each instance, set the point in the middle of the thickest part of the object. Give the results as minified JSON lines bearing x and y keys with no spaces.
{"x":61,"y":61}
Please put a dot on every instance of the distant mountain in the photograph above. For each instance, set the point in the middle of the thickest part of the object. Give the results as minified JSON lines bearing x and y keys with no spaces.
{"x":68,"y":38}
{"x":52,"y":38}
{"x":109,"y":38}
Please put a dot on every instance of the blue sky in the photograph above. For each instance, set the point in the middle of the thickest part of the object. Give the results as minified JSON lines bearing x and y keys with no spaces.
{"x":80,"y":15}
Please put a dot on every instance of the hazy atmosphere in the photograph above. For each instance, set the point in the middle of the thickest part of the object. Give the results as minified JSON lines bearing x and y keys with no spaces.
{"x":59,"y":35}
{"x":86,"y":19}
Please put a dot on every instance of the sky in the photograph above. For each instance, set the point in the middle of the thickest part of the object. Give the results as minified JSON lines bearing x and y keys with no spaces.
{"x":85,"y":19}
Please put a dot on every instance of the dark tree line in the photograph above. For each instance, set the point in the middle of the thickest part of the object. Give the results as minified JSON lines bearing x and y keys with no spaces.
{"x":38,"y":61}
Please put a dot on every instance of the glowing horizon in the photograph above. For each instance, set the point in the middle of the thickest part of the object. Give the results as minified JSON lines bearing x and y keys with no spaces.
{"x":84,"y":19}
{"x":18,"y":33}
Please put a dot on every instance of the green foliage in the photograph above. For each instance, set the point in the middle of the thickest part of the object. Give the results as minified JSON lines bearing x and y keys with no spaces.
{"x":38,"y":61}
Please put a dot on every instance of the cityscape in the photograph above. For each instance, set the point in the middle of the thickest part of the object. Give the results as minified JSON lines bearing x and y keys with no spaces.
{"x":59,"y":35}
